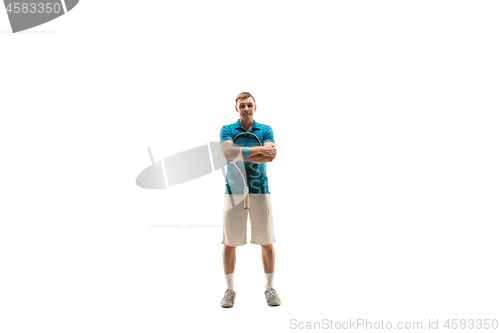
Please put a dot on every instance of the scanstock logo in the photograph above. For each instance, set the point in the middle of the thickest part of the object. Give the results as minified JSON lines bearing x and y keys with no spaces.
{"x":186,"y":166}
{"x":182,"y":167}
{"x":26,"y":14}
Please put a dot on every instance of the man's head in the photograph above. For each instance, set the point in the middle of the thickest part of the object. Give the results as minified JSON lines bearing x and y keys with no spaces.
{"x":245,"y":105}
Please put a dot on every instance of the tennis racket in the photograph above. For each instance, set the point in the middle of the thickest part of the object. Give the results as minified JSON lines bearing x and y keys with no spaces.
{"x":246,"y":139}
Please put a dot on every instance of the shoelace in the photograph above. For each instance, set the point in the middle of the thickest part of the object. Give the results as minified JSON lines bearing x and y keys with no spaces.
{"x":229,"y":293}
{"x":271,"y":291}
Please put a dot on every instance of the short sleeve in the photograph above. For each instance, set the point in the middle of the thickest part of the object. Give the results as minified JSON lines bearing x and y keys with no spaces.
{"x":268,"y":135}
{"x":224,"y":134}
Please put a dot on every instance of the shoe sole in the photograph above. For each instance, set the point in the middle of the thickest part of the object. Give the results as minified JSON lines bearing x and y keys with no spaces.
{"x":226,"y":305}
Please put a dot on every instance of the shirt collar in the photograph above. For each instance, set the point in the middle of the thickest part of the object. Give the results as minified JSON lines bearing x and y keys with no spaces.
{"x":256,"y":126}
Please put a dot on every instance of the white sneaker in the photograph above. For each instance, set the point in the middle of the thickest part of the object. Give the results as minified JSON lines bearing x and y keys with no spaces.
{"x":272,"y":297}
{"x":229,"y":299}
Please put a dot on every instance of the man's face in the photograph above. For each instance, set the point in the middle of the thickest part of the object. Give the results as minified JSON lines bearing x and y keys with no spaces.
{"x":246,"y":108}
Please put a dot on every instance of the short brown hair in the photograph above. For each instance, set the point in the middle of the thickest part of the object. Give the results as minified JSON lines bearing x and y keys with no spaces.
{"x":244,"y":95}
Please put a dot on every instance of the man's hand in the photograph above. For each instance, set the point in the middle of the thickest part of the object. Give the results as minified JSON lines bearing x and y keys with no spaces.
{"x":269,"y":150}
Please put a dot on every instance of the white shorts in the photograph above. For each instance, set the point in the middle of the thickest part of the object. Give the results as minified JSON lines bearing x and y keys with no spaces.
{"x":235,"y":220}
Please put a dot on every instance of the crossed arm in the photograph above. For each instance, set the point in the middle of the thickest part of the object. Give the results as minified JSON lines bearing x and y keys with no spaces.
{"x":259,"y":154}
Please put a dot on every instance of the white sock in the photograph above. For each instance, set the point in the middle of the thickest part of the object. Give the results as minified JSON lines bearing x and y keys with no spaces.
{"x":269,"y":279}
{"x":230,"y":280}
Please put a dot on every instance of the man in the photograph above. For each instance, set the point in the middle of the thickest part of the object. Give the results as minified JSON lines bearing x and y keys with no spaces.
{"x":235,"y":216}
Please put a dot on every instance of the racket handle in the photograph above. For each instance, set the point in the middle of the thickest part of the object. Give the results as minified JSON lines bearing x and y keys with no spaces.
{"x":246,"y":200}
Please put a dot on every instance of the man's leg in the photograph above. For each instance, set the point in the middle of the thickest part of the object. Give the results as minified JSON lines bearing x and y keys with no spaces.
{"x":234,"y":232}
{"x":268,"y":258}
{"x":229,"y":258}
{"x":229,"y":261}
{"x":268,"y":261}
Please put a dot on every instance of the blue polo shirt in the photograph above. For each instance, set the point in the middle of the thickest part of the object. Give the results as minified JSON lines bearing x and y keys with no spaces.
{"x":258,"y":183}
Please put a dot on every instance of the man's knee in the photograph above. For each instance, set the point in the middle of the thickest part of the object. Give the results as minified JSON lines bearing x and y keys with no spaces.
{"x":268,"y":248}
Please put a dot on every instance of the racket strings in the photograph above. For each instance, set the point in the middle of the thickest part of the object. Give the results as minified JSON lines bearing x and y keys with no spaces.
{"x":246,"y":139}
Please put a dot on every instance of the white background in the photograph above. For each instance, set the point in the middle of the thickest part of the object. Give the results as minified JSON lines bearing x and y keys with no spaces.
{"x":385,"y":189}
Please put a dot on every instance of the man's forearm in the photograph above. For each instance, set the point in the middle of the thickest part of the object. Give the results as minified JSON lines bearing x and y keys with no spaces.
{"x":254,"y":151}
{"x":234,"y":154}
{"x":259,"y":159}
{"x":259,"y":154}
